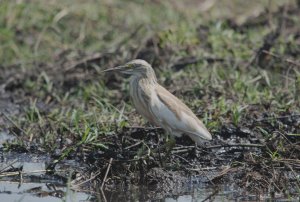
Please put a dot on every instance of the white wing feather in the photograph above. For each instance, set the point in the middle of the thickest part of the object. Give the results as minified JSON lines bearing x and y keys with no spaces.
{"x":184,"y":122}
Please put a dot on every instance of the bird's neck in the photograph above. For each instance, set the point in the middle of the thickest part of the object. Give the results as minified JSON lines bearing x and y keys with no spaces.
{"x":147,"y":78}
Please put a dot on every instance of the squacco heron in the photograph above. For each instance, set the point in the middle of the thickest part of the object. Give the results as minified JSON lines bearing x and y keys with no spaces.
{"x":158,"y":105}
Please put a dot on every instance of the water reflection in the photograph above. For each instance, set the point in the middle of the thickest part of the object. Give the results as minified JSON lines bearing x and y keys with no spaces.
{"x":35,"y":185}
{"x":5,"y":137}
{"x":196,"y":194}
{"x":12,"y":191}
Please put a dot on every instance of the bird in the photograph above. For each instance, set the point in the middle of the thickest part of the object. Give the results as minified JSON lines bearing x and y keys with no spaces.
{"x":160,"y":107}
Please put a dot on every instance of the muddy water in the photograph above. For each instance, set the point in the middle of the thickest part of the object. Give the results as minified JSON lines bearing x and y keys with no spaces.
{"x":14,"y":191}
{"x":35,"y":185}
{"x":5,"y":137}
{"x":43,"y":188}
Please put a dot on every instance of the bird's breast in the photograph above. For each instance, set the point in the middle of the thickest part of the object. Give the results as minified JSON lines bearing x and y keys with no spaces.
{"x":141,"y":98}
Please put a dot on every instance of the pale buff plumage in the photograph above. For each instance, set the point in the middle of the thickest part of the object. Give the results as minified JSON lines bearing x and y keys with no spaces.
{"x":158,"y":105}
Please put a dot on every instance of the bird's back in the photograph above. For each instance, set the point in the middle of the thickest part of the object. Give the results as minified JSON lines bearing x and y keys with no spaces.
{"x":178,"y":117}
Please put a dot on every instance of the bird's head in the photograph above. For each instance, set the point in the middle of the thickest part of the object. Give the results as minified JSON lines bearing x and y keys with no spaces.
{"x":135,"y":67}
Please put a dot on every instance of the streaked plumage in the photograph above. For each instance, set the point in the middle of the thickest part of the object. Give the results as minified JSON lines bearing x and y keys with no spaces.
{"x":158,"y":105}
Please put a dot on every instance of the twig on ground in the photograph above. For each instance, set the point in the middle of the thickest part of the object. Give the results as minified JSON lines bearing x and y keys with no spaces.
{"x":211,"y":195}
{"x":107,"y":170}
{"x":203,"y":169}
{"x":280,"y":117}
{"x":182,"y":158}
{"x":290,"y":61}
{"x":134,"y":145}
{"x":10,"y":120}
{"x":103,"y":195}
{"x":235,"y":145}
{"x":85,"y":61}
{"x":284,"y":136}
{"x":144,"y":128}
{"x":10,"y":164}
{"x":180,"y":151}
{"x":6,"y":174}
{"x":224,"y":172}
{"x":193,"y":60}
{"x":88,"y":180}
{"x":294,"y":174}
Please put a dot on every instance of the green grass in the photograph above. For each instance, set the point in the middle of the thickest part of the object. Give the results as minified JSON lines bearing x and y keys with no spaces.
{"x":38,"y":30}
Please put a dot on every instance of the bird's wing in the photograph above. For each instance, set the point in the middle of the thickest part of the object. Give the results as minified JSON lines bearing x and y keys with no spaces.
{"x":178,"y":116}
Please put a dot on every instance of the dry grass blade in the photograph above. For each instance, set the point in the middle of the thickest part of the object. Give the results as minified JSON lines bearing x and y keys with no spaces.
{"x":106,"y":173}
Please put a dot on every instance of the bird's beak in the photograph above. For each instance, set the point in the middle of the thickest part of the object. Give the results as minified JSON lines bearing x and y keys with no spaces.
{"x":118,"y":68}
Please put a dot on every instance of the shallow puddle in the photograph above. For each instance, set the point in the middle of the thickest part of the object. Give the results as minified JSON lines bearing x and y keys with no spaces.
{"x":13,"y":191}
{"x":12,"y":188}
{"x":23,"y":177}
{"x":5,"y":137}
{"x":195,"y":194}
